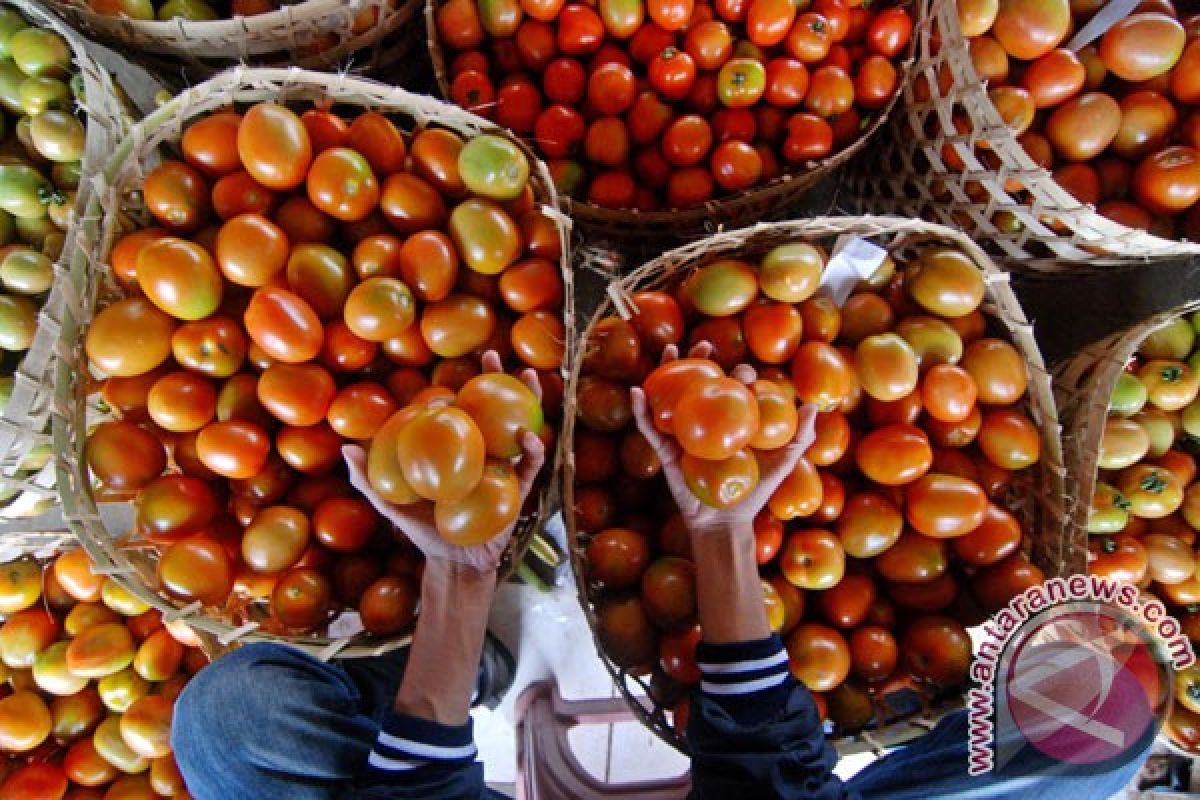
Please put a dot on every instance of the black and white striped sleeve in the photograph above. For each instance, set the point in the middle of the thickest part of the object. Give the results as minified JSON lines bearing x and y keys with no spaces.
{"x":746,"y":678}
{"x":408,"y":744}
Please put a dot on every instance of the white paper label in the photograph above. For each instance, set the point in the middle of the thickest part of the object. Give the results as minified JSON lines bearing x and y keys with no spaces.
{"x":854,"y":259}
{"x":346,"y":625}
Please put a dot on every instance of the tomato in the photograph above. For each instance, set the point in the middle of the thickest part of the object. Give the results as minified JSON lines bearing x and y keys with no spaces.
{"x":1054,"y":78}
{"x":846,"y":604}
{"x":945,"y":506}
{"x":441,"y":454}
{"x":873,"y":653}
{"x":821,"y":375}
{"x":1147,"y":121}
{"x":233,"y":449}
{"x":210,"y":143}
{"x":818,"y":656}
{"x":1142,"y":46}
{"x":869,"y":524}
{"x":800,"y":494}
{"x":302,"y":598}
{"x":25,"y":634}
{"x":791,"y":273}
{"x":379,"y":141}
{"x":196,"y":568}
{"x":998,"y":370}
{"x":886,"y":366}
{"x":616,"y":557}
{"x":668,"y":592}
{"x":1183,"y":80}
{"x":1170,"y":559}
{"x":876,"y":82}
{"x":1028,"y":29}
{"x":894,"y":455}
{"x":714,"y":419}
{"x":830,"y":92}
{"x":538,"y":338}
{"x":1119,"y":557}
{"x":1081,"y":128}
{"x":996,"y":585}
{"x":173,"y":505}
{"x":178,"y":196}
{"x":38,"y":781}
{"x":812,"y":559}
{"x":388,"y":605}
{"x":1168,"y":181}
{"x":666,"y":384}
{"x":625,"y":631}
{"x":489,"y":509}
{"x":914,"y":558}
{"x":1009,"y":439}
{"x":768,"y":21}
{"x":937,"y":649}
{"x":274,"y":146}
{"x":889,"y":32}
{"x":158,"y":657}
{"x":809,"y":38}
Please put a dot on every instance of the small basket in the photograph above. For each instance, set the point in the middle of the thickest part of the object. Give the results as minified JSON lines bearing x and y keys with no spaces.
{"x":1041,"y":505}
{"x":289,"y":36}
{"x":767,"y":202}
{"x":908,"y":174}
{"x":1083,"y":386}
{"x":26,"y":478}
{"x":133,"y":562}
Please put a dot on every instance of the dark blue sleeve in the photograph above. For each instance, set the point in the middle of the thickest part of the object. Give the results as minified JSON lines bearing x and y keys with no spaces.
{"x":754,"y":731}
{"x":416,"y":759}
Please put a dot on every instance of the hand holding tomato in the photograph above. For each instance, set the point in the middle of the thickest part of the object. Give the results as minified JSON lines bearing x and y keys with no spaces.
{"x":417,"y":521}
{"x":774,"y":465}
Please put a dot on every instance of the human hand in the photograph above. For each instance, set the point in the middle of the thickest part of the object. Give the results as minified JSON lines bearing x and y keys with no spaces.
{"x":416,"y":520}
{"x":774,"y":465}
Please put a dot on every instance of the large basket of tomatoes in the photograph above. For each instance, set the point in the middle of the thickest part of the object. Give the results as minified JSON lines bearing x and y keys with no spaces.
{"x":1131,"y":420}
{"x":91,"y":678}
{"x":200,"y":38}
{"x":672,"y":119}
{"x":930,"y":387}
{"x":1057,"y":132}
{"x":63,"y":117}
{"x":312,"y":256}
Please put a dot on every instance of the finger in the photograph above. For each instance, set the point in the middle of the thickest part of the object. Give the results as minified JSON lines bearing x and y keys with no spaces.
{"x":806,"y":425}
{"x":491,"y":362}
{"x":641,"y":415}
{"x":356,"y":464}
{"x":669,"y":353}
{"x":701,"y":350}
{"x":529,"y":377}
{"x":744,"y":373}
{"x":776,"y":466}
{"x":531,"y":462}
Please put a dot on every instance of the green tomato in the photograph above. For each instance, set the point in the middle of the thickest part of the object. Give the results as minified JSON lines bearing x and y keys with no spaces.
{"x":493,"y":167}
{"x":18,"y":322}
{"x":723,"y":288}
{"x":25,"y":192}
{"x":26,"y":271}
{"x":1161,"y":427}
{"x":60,"y":212}
{"x":38,"y":52}
{"x":1172,"y":342}
{"x":7,"y":229}
{"x":741,"y":82}
{"x":41,"y":94}
{"x":1128,"y":397}
{"x":10,"y":23}
{"x":67,"y":175}
{"x":194,"y":10}
{"x":1123,"y":444}
{"x":1110,"y":510}
{"x":1190,"y":419}
{"x":34,"y":230}
{"x":59,"y":136}
{"x":11,"y":79}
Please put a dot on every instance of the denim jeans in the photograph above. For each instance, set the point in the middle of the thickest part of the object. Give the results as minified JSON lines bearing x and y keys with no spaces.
{"x":270,"y":723}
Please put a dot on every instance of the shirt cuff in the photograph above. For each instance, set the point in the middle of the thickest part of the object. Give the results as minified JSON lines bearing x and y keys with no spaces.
{"x":409,"y":743}
{"x":750,"y":680}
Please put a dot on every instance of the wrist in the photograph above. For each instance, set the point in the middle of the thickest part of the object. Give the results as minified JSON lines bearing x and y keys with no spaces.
{"x":444,"y":572}
{"x":729,"y":589}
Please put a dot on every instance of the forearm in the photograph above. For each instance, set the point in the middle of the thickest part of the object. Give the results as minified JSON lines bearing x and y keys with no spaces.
{"x":729,"y":593}
{"x":443,"y":663}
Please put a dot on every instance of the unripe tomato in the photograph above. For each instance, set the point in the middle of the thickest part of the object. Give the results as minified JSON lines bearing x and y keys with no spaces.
{"x":886,"y":366}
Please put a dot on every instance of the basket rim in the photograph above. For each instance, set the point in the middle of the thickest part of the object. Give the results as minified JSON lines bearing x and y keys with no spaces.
{"x":242,"y":84}
{"x":797,"y":179}
{"x":1000,"y":304}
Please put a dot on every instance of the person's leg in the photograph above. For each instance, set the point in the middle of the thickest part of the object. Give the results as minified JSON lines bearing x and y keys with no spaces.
{"x":935,"y":766}
{"x":269,"y":721}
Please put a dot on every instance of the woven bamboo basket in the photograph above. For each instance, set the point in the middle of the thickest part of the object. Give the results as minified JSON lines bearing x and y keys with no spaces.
{"x":1082,"y":387}
{"x":313,"y":34}
{"x":133,"y":562}
{"x":1040,"y":504}
{"x":770,"y":201}
{"x":26,"y":477}
{"x":908,"y":174}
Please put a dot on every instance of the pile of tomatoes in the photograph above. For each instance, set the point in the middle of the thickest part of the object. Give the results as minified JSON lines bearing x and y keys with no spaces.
{"x":1117,"y":122}
{"x":1146,"y":504}
{"x":892,"y":532}
{"x":305,"y":278}
{"x":670,"y":103}
{"x":42,"y":144}
{"x":90,"y":676}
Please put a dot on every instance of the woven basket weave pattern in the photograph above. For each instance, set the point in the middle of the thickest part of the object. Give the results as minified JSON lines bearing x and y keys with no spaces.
{"x":117,"y":195}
